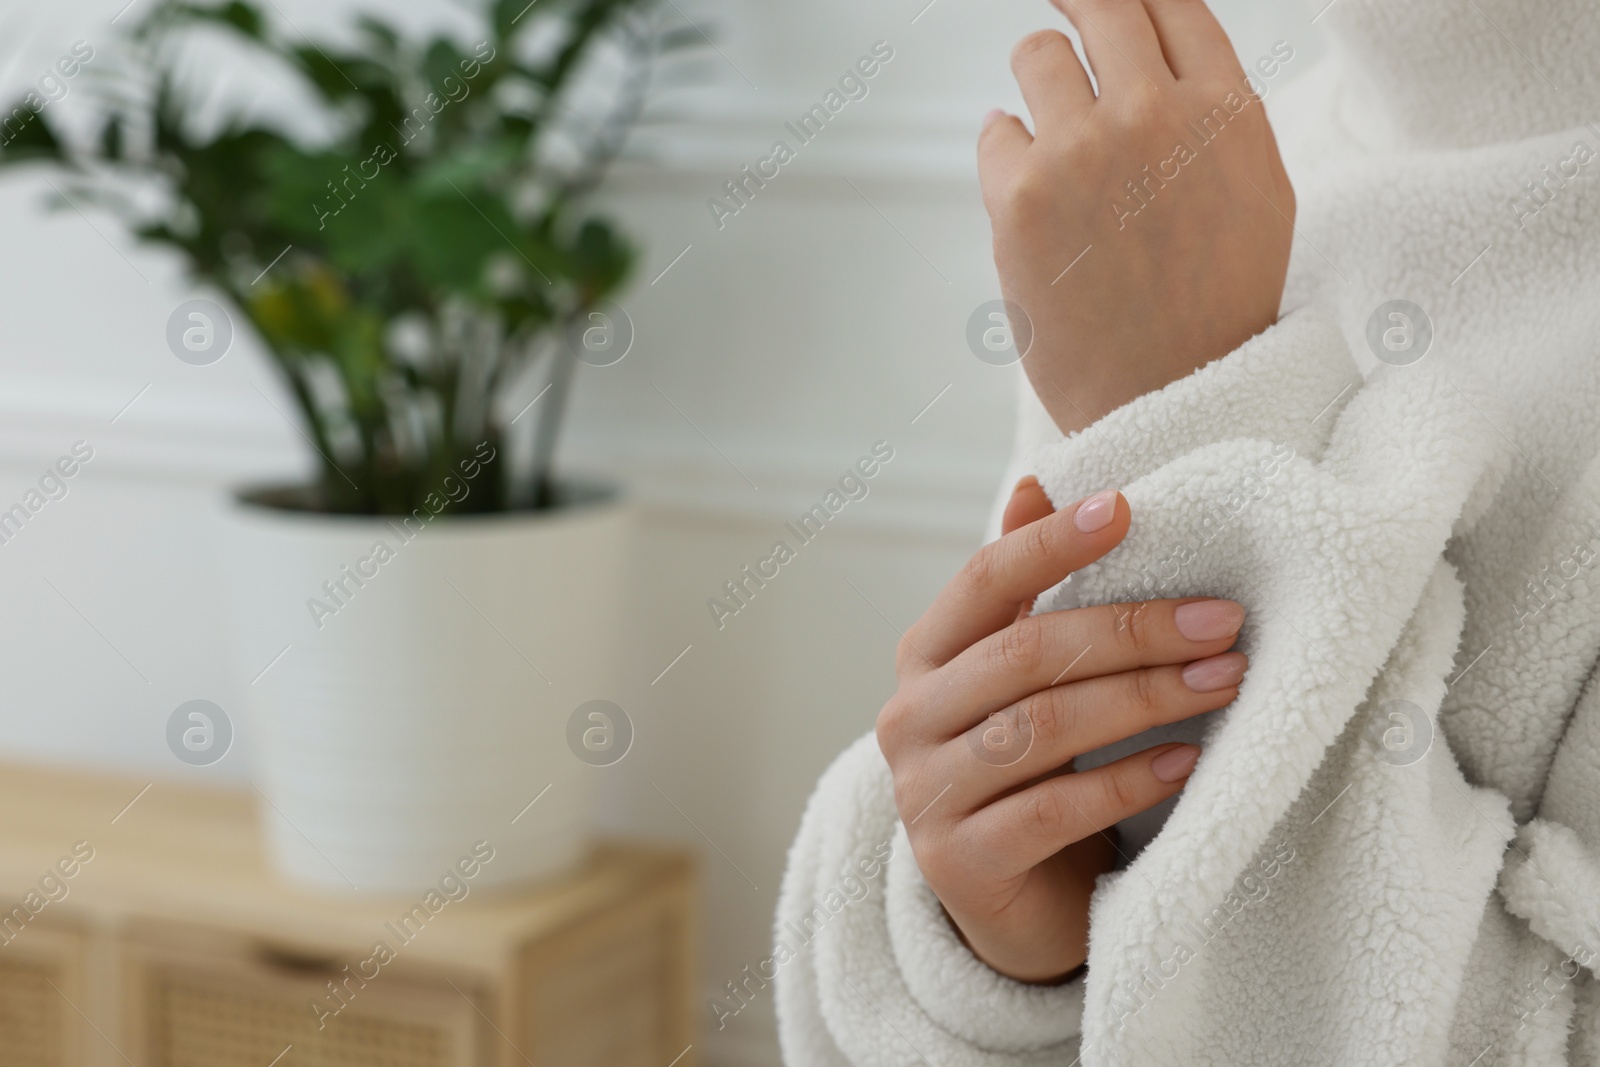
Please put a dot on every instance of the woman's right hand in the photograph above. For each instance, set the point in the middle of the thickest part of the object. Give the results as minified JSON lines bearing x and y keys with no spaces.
{"x":1161,"y":173}
{"x":993,"y":705}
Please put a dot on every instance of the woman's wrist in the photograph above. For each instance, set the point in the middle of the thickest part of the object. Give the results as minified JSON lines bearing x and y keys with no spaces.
{"x":1076,"y":401}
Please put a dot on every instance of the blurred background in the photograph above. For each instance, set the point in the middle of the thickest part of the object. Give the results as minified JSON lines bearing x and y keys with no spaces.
{"x":772,"y":349}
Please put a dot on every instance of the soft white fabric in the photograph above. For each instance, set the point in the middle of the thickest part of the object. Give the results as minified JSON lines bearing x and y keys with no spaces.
{"x":1426,"y":534}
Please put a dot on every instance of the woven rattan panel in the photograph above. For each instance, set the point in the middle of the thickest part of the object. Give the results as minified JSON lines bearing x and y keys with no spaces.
{"x":30,"y":1015}
{"x":215,"y":1021}
{"x":599,"y":1003}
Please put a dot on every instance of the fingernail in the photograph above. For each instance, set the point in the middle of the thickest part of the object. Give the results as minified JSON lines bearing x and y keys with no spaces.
{"x":1174,"y":764}
{"x":1097,"y":512}
{"x":1215,"y":672}
{"x":1208,"y":620}
{"x":1023,"y":482}
{"x":988,"y":120}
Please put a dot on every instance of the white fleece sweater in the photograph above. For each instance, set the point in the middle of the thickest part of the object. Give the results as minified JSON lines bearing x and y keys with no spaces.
{"x":1390,"y":850}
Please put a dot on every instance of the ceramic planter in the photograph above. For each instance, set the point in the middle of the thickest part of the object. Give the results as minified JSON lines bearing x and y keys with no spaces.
{"x":427,"y":668}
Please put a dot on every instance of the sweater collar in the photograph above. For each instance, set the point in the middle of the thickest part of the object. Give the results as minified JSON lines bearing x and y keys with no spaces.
{"x":1462,"y":73}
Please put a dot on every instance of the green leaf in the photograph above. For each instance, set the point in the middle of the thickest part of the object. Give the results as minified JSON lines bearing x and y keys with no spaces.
{"x":453,"y":239}
{"x":111,"y":139}
{"x":26,"y":135}
{"x":244,"y":18}
{"x":383,"y":34}
{"x":367,"y":236}
{"x":339,"y":76}
{"x":235,"y":14}
{"x":442,"y":60}
{"x":472,"y":170}
{"x":508,"y":16}
{"x":600,"y":258}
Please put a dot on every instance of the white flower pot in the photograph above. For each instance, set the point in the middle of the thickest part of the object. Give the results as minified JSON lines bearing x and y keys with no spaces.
{"x":422,"y":697}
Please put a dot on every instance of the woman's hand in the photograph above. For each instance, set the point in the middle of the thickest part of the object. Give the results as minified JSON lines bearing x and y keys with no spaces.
{"x":993,"y":705}
{"x":1167,"y":184}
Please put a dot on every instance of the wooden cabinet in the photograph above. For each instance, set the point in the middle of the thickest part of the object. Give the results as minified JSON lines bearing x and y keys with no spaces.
{"x":195,"y":999}
{"x":40,"y":976}
{"x":173,"y":946}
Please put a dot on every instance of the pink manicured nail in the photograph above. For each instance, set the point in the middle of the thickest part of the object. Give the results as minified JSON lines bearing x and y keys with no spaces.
{"x":1208,"y":620}
{"x":988,"y":120}
{"x":1097,"y":512}
{"x":1175,"y":764}
{"x":1215,"y":672}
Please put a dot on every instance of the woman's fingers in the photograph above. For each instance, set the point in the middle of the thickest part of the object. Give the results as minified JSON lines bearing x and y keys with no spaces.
{"x":1193,"y":41}
{"x":1041,"y":733}
{"x":1120,"y":42}
{"x":1000,"y":149}
{"x":1018,"y":832}
{"x":1044,"y":651}
{"x":1007,"y":574}
{"x":1028,"y":503}
{"x":1054,"y":84}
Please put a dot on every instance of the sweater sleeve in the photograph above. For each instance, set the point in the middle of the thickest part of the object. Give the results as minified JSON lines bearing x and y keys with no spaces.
{"x":883,"y":979}
{"x":1323,"y":502}
{"x":1552,"y":873}
{"x":870,"y":972}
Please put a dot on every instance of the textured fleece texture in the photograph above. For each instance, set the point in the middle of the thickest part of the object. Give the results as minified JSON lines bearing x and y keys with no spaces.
{"x":1389,"y":852}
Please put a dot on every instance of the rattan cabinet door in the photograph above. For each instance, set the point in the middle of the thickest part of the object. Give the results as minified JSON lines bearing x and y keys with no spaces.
{"x":612,"y":991}
{"x":236,"y":1005}
{"x":42,"y":992}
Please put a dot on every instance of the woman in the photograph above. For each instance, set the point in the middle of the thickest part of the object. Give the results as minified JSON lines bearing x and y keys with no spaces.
{"x":1386,"y":850}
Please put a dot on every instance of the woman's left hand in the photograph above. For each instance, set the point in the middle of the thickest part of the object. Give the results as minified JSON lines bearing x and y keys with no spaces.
{"x":993,"y":705}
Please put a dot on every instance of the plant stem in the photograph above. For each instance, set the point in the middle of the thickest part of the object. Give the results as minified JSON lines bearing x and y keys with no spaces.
{"x":549,"y":426}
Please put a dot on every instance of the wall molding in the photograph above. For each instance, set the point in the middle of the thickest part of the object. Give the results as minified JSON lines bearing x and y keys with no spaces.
{"x":182,"y":435}
{"x":927,"y":145}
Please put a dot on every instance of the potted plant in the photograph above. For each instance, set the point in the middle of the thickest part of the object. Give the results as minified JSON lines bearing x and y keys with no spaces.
{"x":416,"y":257}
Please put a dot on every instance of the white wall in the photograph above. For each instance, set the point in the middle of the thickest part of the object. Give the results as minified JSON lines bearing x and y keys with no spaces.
{"x":824,"y":317}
